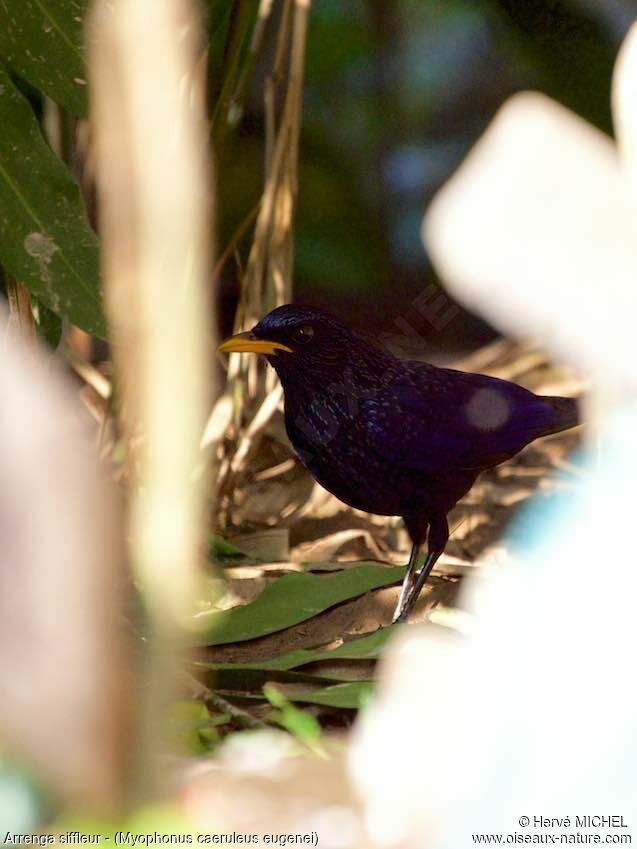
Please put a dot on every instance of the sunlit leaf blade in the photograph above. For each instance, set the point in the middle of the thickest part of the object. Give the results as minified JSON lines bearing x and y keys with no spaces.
{"x":239,"y":62}
{"x":368,"y":647}
{"x":221,"y":549}
{"x":292,"y":599}
{"x":43,"y":41}
{"x":46,"y":241}
{"x":351,"y":695}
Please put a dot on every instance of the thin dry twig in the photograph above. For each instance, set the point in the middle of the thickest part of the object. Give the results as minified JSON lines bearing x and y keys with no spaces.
{"x":240,"y":715}
{"x":20,"y":310}
{"x":251,"y":439}
{"x":89,"y":374}
{"x":231,"y":247}
{"x":268,"y":277}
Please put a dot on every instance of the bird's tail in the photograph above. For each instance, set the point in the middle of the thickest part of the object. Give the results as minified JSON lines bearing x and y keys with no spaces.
{"x":566,"y":410}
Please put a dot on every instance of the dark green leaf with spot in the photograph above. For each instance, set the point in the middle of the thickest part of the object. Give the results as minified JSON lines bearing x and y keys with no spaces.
{"x":46,"y":241}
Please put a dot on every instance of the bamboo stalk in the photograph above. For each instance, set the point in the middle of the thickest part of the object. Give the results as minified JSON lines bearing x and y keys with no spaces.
{"x":153,"y":184}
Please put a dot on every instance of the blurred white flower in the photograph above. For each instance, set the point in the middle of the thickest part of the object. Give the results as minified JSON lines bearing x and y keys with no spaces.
{"x":537,"y":229}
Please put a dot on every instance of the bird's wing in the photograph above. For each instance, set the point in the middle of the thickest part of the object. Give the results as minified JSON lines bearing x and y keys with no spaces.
{"x":441,"y":420}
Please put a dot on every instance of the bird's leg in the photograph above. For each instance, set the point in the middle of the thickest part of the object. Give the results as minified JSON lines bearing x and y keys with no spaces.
{"x":408,"y":581}
{"x":430,"y":562}
{"x":436,"y":542}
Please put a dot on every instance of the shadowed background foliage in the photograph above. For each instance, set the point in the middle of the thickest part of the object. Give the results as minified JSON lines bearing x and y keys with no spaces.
{"x":395,"y":95}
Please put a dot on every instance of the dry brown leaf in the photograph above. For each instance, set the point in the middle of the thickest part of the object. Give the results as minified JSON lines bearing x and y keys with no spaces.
{"x":329,"y":547}
{"x":271,"y":544}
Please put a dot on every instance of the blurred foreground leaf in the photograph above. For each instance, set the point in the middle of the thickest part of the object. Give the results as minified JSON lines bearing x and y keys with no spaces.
{"x":45,"y":238}
{"x":43,"y":41}
{"x":193,"y":730}
{"x":292,"y":599}
{"x":300,"y":724}
{"x":162,"y":818}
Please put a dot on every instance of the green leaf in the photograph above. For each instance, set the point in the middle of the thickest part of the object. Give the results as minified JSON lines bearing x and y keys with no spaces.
{"x":351,"y":695}
{"x":289,"y":600}
{"x":363,"y":648}
{"x":43,"y":41}
{"x":46,"y":241}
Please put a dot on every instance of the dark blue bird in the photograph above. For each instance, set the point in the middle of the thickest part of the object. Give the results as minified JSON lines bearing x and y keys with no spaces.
{"x":394,"y":437}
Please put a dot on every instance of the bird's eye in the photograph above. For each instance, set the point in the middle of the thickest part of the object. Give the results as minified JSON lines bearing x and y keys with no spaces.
{"x":303,"y":334}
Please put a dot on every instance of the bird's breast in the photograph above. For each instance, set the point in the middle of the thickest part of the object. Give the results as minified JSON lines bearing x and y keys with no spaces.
{"x":331,"y":443}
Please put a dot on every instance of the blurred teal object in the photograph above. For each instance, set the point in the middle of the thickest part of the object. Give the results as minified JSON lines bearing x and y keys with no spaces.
{"x":20,"y":802}
{"x":543,"y":517}
{"x":600,"y":473}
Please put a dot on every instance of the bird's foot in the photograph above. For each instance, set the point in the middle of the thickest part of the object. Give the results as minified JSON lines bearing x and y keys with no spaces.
{"x":401,"y":605}
{"x":399,"y":617}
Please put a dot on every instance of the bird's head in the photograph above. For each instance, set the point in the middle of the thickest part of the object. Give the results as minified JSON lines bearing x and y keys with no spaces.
{"x":300,"y":342}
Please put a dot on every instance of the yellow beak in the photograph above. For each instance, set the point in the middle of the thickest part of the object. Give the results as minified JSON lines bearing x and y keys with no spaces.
{"x":249,"y":344}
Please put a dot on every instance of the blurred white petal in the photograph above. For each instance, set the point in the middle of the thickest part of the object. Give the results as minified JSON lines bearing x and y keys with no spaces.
{"x":64,"y":664}
{"x":624,"y":99}
{"x":535,"y":231}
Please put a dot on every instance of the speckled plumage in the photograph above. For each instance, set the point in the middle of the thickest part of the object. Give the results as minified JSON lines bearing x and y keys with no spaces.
{"x":397,"y":437}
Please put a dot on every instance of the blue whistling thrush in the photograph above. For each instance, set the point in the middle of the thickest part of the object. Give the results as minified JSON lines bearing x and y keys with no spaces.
{"x":389,"y":436}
